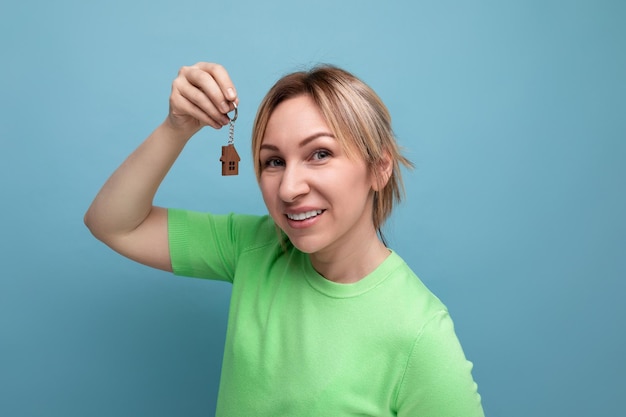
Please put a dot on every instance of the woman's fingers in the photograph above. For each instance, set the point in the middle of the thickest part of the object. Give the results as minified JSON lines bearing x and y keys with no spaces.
{"x":204,"y":92}
{"x":223,"y":81}
{"x":190,"y":100}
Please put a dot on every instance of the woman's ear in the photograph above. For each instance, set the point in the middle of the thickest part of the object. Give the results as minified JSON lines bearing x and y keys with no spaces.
{"x":384,"y":169}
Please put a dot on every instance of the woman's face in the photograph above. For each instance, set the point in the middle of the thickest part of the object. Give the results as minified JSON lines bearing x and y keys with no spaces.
{"x":315,"y":193}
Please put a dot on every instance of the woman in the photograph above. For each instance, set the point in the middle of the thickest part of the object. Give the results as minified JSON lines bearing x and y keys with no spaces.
{"x":324,"y":319}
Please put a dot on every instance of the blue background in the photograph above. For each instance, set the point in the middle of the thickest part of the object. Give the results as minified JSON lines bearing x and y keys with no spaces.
{"x":514,"y":113}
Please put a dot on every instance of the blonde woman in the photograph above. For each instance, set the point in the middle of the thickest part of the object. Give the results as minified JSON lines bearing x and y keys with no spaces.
{"x":325,"y":319}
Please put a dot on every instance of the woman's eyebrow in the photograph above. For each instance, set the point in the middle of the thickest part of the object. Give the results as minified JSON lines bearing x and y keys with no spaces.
{"x":302,"y":143}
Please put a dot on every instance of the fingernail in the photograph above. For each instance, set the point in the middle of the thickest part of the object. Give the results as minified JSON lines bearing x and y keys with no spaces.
{"x":231,"y":93}
{"x":224,"y":107}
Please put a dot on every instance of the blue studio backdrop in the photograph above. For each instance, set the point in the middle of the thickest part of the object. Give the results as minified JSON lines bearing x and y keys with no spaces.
{"x":514,"y":113}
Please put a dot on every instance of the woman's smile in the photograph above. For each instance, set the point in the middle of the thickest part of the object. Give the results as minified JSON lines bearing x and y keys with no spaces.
{"x":304,"y":220}
{"x":304,"y":215}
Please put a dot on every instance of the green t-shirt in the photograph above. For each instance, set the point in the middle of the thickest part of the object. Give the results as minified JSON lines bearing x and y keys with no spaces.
{"x":300,"y":345}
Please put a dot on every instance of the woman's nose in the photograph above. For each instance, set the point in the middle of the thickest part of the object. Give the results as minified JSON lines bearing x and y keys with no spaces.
{"x":293,"y":184}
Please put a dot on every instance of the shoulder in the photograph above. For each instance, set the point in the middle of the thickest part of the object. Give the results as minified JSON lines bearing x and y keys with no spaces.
{"x":417,"y":312}
{"x":410,"y":291}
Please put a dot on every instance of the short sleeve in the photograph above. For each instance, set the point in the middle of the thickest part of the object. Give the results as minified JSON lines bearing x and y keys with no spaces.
{"x":204,"y":245}
{"x":438,"y":381}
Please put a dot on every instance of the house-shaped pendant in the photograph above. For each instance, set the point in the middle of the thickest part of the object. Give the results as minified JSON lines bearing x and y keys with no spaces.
{"x":230,"y":160}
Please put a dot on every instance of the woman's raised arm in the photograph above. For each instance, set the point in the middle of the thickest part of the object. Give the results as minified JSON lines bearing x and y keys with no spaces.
{"x":123,"y":215}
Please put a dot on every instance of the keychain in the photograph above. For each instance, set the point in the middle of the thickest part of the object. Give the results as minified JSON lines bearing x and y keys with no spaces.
{"x":230,"y":158}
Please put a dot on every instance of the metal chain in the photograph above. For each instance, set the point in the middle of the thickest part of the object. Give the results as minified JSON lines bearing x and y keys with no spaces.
{"x":231,"y":132}
{"x":231,"y":127}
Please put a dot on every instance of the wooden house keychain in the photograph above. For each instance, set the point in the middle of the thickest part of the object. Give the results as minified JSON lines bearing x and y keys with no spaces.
{"x":230,"y":158}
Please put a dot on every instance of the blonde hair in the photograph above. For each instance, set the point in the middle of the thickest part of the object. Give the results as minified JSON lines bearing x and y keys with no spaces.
{"x":357,"y":117}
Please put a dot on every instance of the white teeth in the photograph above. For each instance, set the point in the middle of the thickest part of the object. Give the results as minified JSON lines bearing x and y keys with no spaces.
{"x":305,"y":215}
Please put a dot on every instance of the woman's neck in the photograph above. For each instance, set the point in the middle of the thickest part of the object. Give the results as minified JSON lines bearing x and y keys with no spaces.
{"x":350,"y":264}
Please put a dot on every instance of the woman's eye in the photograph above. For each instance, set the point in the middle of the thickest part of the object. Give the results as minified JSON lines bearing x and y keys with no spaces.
{"x":274,"y":162}
{"x":321,"y":154}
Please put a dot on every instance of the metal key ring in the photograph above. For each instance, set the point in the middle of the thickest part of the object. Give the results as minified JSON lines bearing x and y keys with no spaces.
{"x":236,"y":114}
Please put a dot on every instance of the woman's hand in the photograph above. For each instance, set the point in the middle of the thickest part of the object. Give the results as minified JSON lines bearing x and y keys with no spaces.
{"x":202,"y":95}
